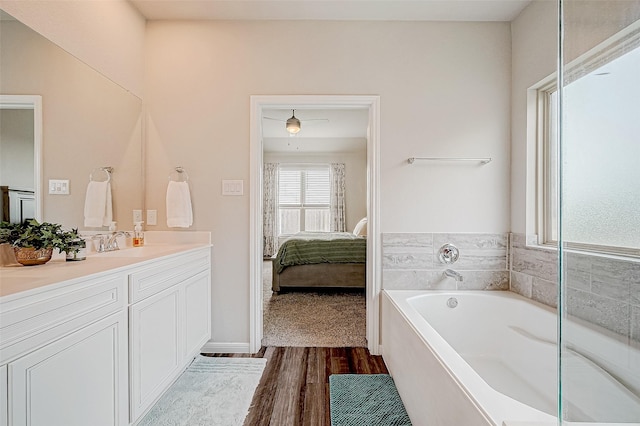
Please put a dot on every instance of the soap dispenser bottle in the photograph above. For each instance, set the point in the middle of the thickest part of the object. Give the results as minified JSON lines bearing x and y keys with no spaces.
{"x":138,"y":235}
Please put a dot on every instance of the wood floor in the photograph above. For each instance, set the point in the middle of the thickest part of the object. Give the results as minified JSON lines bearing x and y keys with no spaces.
{"x":294,"y":389}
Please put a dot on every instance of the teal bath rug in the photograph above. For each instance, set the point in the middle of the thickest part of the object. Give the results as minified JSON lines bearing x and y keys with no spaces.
{"x":365,"y":400}
{"x":211,"y":392}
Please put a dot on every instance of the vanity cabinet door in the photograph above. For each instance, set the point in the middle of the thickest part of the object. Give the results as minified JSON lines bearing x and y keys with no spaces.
{"x":155,"y":347}
{"x":3,"y":396}
{"x":77,"y":380}
{"x":197,"y":307}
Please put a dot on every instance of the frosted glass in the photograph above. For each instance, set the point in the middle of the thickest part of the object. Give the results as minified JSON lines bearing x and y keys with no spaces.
{"x":601,"y":155}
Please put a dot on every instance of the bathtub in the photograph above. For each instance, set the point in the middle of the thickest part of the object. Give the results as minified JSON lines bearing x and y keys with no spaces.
{"x":490,"y":358}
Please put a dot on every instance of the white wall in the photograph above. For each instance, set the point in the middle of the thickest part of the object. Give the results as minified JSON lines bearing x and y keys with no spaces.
{"x":107,"y":35}
{"x":16,"y":149}
{"x":355,"y":178}
{"x":534,"y":52}
{"x":444,"y":90}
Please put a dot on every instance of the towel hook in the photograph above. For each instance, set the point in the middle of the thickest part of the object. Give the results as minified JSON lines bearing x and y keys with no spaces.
{"x":179,"y":173}
{"x":106,"y":170}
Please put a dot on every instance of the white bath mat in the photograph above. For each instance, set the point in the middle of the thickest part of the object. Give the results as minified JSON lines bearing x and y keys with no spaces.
{"x":212,"y":391}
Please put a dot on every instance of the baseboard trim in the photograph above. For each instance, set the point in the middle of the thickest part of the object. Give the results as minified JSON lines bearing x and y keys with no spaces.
{"x":225,"y":348}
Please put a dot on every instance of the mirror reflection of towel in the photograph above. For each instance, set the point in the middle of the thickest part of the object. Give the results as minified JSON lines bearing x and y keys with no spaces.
{"x":98,"y":208}
{"x":179,"y":212}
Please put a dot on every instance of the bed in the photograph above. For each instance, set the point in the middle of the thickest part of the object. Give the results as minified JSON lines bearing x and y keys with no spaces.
{"x":320,"y":260}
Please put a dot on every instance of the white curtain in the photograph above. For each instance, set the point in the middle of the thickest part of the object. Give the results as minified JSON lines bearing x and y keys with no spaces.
{"x":337,"y":204}
{"x":270,"y":209}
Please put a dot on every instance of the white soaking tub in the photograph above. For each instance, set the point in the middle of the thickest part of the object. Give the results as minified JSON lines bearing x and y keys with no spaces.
{"x":490,"y":358}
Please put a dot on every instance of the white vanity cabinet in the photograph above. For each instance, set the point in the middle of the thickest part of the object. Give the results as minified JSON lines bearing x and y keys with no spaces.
{"x":4,"y":396}
{"x":169,"y":318}
{"x":80,"y":379}
{"x":98,"y":342}
{"x":63,"y":354}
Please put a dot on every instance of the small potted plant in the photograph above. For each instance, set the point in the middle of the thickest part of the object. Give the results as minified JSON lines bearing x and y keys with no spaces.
{"x":33,"y":242}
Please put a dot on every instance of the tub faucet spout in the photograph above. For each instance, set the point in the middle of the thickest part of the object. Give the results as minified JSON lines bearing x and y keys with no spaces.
{"x":453,"y":274}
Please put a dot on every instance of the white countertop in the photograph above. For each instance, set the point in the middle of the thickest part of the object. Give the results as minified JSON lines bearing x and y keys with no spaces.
{"x":24,"y":280}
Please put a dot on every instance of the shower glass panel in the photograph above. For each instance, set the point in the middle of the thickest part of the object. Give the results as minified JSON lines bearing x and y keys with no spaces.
{"x":599,"y":232}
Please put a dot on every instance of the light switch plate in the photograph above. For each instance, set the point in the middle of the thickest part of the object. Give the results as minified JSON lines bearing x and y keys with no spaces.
{"x":59,"y":186}
{"x":232,"y":187}
{"x":152,"y":217}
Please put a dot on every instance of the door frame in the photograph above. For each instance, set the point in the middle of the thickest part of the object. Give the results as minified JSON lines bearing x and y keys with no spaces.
{"x":33,"y":103}
{"x":373,"y":272}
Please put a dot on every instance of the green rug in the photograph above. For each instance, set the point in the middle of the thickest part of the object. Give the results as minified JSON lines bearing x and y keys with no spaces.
{"x":365,"y":400}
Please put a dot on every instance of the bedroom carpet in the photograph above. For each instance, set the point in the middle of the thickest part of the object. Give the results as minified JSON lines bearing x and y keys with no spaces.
{"x":212,"y":391}
{"x":313,"y":319}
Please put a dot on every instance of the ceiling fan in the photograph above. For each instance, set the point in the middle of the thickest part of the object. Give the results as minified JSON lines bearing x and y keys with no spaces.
{"x":293,"y":124}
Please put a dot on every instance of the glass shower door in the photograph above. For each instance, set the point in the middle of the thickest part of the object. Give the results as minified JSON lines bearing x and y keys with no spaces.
{"x":599,"y":214}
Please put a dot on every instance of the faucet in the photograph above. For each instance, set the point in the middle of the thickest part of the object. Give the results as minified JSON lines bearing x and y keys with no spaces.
{"x":100,"y":238}
{"x":112,"y":242}
{"x":453,"y":274}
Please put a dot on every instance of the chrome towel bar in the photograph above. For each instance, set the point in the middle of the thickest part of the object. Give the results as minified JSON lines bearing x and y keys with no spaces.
{"x":479,"y":160}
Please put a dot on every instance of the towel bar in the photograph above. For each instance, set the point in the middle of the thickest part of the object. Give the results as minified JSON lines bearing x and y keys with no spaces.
{"x":480,"y":160}
{"x":107,"y":170}
{"x":179,"y":172}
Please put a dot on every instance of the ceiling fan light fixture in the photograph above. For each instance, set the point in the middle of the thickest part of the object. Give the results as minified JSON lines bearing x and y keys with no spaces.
{"x":293,"y":125}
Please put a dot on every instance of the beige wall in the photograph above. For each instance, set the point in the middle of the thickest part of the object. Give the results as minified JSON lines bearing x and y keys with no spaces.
{"x":88,"y":122}
{"x":444,"y":90}
{"x":355,"y":178}
{"x":107,"y":35}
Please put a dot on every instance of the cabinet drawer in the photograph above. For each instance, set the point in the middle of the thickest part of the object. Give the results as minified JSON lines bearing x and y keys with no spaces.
{"x":163,"y":274}
{"x":32,"y":321}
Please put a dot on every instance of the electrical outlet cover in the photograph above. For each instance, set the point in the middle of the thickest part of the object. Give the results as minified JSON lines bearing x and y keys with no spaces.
{"x":152,"y":217}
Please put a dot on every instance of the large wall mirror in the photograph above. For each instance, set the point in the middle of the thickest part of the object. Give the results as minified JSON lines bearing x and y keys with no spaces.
{"x":88,"y":122}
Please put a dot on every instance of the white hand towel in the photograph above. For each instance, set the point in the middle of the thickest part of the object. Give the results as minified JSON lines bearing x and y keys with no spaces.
{"x":179,"y":212}
{"x":108,"y":211}
{"x":98,"y":208}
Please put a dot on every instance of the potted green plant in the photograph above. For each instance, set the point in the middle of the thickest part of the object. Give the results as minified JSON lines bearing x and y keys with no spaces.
{"x":33,"y":242}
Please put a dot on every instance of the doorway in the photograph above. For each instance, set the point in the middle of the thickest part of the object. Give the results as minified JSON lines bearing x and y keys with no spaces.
{"x":258,"y":105}
{"x":21,"y":157}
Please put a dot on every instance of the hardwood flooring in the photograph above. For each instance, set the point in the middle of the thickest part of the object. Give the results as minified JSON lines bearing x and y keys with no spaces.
{"x":294,"y":389}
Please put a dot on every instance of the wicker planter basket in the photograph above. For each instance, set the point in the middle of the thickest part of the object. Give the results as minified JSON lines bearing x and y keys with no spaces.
{"x":29,"y":256}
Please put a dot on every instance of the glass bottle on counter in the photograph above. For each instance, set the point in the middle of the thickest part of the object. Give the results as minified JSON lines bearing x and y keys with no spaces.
{"x":138,"y":235}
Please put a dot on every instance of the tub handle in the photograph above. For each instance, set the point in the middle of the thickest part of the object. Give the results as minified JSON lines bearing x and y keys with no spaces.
{"x":448,"y":254}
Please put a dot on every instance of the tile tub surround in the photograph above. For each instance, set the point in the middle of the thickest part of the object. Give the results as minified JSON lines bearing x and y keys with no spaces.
{"x":410,"y":261}
{"x":534,"y":270}
{"x":602,"y":290}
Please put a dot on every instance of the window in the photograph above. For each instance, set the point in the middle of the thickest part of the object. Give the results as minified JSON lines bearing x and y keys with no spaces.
{"x":600,"y":154}
{"x":303,"y":198}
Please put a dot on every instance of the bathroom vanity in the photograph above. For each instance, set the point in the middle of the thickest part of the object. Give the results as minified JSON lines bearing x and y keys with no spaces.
{"x":97,"y":342}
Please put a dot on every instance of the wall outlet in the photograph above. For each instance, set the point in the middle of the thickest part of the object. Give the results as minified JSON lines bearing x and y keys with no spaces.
{"x":152,"y":217}
{"x":137,"y":216}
